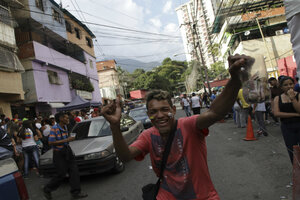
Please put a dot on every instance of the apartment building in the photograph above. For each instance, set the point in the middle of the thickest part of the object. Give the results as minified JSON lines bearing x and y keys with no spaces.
{"x":238,"y":31}
{"x":195,"y":19}
{"x":59,"y":64}
{"x":11,"y":87}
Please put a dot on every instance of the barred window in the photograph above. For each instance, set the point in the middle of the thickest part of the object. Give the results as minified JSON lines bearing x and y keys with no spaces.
{"x":53,"y":77}
{"x":56,"y":16}
{"x":69,"y":27}
{"x":89,"y":42}
{"x":39,"y":4}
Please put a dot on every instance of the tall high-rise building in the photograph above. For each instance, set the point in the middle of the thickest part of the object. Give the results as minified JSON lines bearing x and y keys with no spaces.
{"x":195,"y":19}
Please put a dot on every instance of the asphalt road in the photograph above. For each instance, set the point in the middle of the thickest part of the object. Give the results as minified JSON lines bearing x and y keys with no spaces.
{"x":239,"y":170}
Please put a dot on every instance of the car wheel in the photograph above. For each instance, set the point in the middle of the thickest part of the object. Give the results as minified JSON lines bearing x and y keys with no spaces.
{"x":119,"y":166}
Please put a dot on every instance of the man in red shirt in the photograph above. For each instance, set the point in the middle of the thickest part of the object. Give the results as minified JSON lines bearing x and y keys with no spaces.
{"x":186,"y":174}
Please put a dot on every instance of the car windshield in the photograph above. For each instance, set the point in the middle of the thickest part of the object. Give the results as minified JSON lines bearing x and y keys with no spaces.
{"x":95,"y":128}
{"x":138,"y":113}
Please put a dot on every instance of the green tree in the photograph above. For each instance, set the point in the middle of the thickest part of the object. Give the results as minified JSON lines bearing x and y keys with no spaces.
{"x":218,"y":71}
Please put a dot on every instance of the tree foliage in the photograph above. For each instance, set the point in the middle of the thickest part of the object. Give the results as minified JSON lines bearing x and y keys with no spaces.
{"x":168,"y":76}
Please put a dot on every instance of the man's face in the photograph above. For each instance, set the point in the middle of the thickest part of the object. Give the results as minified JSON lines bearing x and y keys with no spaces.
{"x":158,"y":112}
{"x":273,"y":83}
{"x":64,"y":119}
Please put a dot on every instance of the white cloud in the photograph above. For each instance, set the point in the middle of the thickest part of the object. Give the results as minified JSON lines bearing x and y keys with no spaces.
{"x":148,"y":12}
{"x":171,"y":28}
{"x":168,"y":7}
{"x":131,"y":14}
{"x":156,"y":22}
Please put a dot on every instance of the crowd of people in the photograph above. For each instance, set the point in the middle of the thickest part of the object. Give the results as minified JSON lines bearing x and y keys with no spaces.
{"x":195,"y":102}
{"x":26,"y":139}
{"x":281,"y":107}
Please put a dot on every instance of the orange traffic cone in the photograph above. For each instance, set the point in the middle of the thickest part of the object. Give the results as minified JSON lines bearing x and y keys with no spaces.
{"x":250,"y":134}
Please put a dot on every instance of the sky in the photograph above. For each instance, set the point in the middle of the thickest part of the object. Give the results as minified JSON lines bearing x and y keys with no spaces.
{"x":150,"y":16}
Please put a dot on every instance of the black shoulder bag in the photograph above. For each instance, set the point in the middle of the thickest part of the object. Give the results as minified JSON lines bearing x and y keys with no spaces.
{"x":150,"y":191}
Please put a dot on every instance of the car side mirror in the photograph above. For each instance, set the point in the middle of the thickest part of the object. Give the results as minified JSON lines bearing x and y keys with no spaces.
{"x":124,"y":129}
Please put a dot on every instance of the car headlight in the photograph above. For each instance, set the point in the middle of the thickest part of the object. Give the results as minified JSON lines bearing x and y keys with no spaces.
{"x":46,"y":161}
{"x":147,"y":120}
{"x":96,"y":155}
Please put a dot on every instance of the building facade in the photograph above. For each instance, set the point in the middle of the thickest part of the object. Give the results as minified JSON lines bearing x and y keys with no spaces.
{"x":256,"y":28}
{"x":109,"y":82}
{"x":57,"y":66}
{"x":11,"y":87}
{"x":195,"y":19}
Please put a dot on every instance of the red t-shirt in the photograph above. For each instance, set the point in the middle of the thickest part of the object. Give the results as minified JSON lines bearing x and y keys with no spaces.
{"x":186,"y":175}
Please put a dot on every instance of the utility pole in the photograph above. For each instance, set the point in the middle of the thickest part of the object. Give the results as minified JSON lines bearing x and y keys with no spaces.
{"x":266,"y":46}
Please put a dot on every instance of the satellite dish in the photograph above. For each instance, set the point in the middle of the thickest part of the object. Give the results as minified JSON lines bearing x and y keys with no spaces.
{"x":247,"y":33}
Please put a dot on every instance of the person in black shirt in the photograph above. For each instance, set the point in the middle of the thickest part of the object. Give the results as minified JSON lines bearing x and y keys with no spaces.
{"x":7,"y":145}
{"x":287,"y":108}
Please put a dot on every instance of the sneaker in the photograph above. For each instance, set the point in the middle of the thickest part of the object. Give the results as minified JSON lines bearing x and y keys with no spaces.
{"x":259,"y":133}
{"x":265,"y":133}
{"x":47,"y":195}
{"x":80,"y":195}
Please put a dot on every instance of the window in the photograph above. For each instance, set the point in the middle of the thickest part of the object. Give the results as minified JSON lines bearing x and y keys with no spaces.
{"x":69,"y":27}
{"x":56,"y":16}
{"x":53,"y":77}
{"x":77,"y":32}
{"x":89,"y":42}
{"x":91,"y":64}
{"x":39,"y":4}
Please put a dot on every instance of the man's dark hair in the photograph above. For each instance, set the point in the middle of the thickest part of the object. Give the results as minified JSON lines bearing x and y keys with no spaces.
{"x":271,"y":79}
{"x":159,"y":95}
{"x":193,"y":94}
{"x":284,"y":78}
{"x":297,"y":79}
{"x":58,"y":116}
{"x":77,"y":113}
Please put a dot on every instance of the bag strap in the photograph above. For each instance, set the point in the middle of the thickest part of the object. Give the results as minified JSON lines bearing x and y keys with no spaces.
{"x":165,"y":156}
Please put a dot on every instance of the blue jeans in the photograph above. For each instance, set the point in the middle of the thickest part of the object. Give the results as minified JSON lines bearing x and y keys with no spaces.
{"x":187,"y":110}
{"x":29,"y":152}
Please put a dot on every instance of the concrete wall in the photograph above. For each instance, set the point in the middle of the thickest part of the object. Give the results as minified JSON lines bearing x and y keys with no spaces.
{"x":5,"y":108}
{"x":29,"y":87}
{"x":37,"y":84}
{"x":11,"y":83}
{"x":108,"y":78}
{"x":7,"y":35}
{"x":48,"y":55}
{"x":47,"y":92}
{"x":82,"y":41}
{"x":279,"y":47}
{"x":46,"y":19}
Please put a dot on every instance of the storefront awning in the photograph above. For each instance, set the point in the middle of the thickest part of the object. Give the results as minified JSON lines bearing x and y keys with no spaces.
{"x":56,"y":105}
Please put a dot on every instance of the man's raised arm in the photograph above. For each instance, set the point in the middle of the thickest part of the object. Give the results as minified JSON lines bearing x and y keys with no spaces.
{"x":112,"y":113}
{"x":224,"y":102}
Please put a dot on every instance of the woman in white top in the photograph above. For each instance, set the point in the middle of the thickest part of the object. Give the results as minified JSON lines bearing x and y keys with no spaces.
{"x":46,"y":127}
{"x":259,"y":110}
{"x":30,"y":149}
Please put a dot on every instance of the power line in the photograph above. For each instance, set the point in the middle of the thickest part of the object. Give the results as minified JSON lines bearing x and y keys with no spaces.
{"x":108,"y":26}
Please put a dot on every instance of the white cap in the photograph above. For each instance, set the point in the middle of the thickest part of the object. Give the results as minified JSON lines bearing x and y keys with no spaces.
{"x":51,"y":116}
